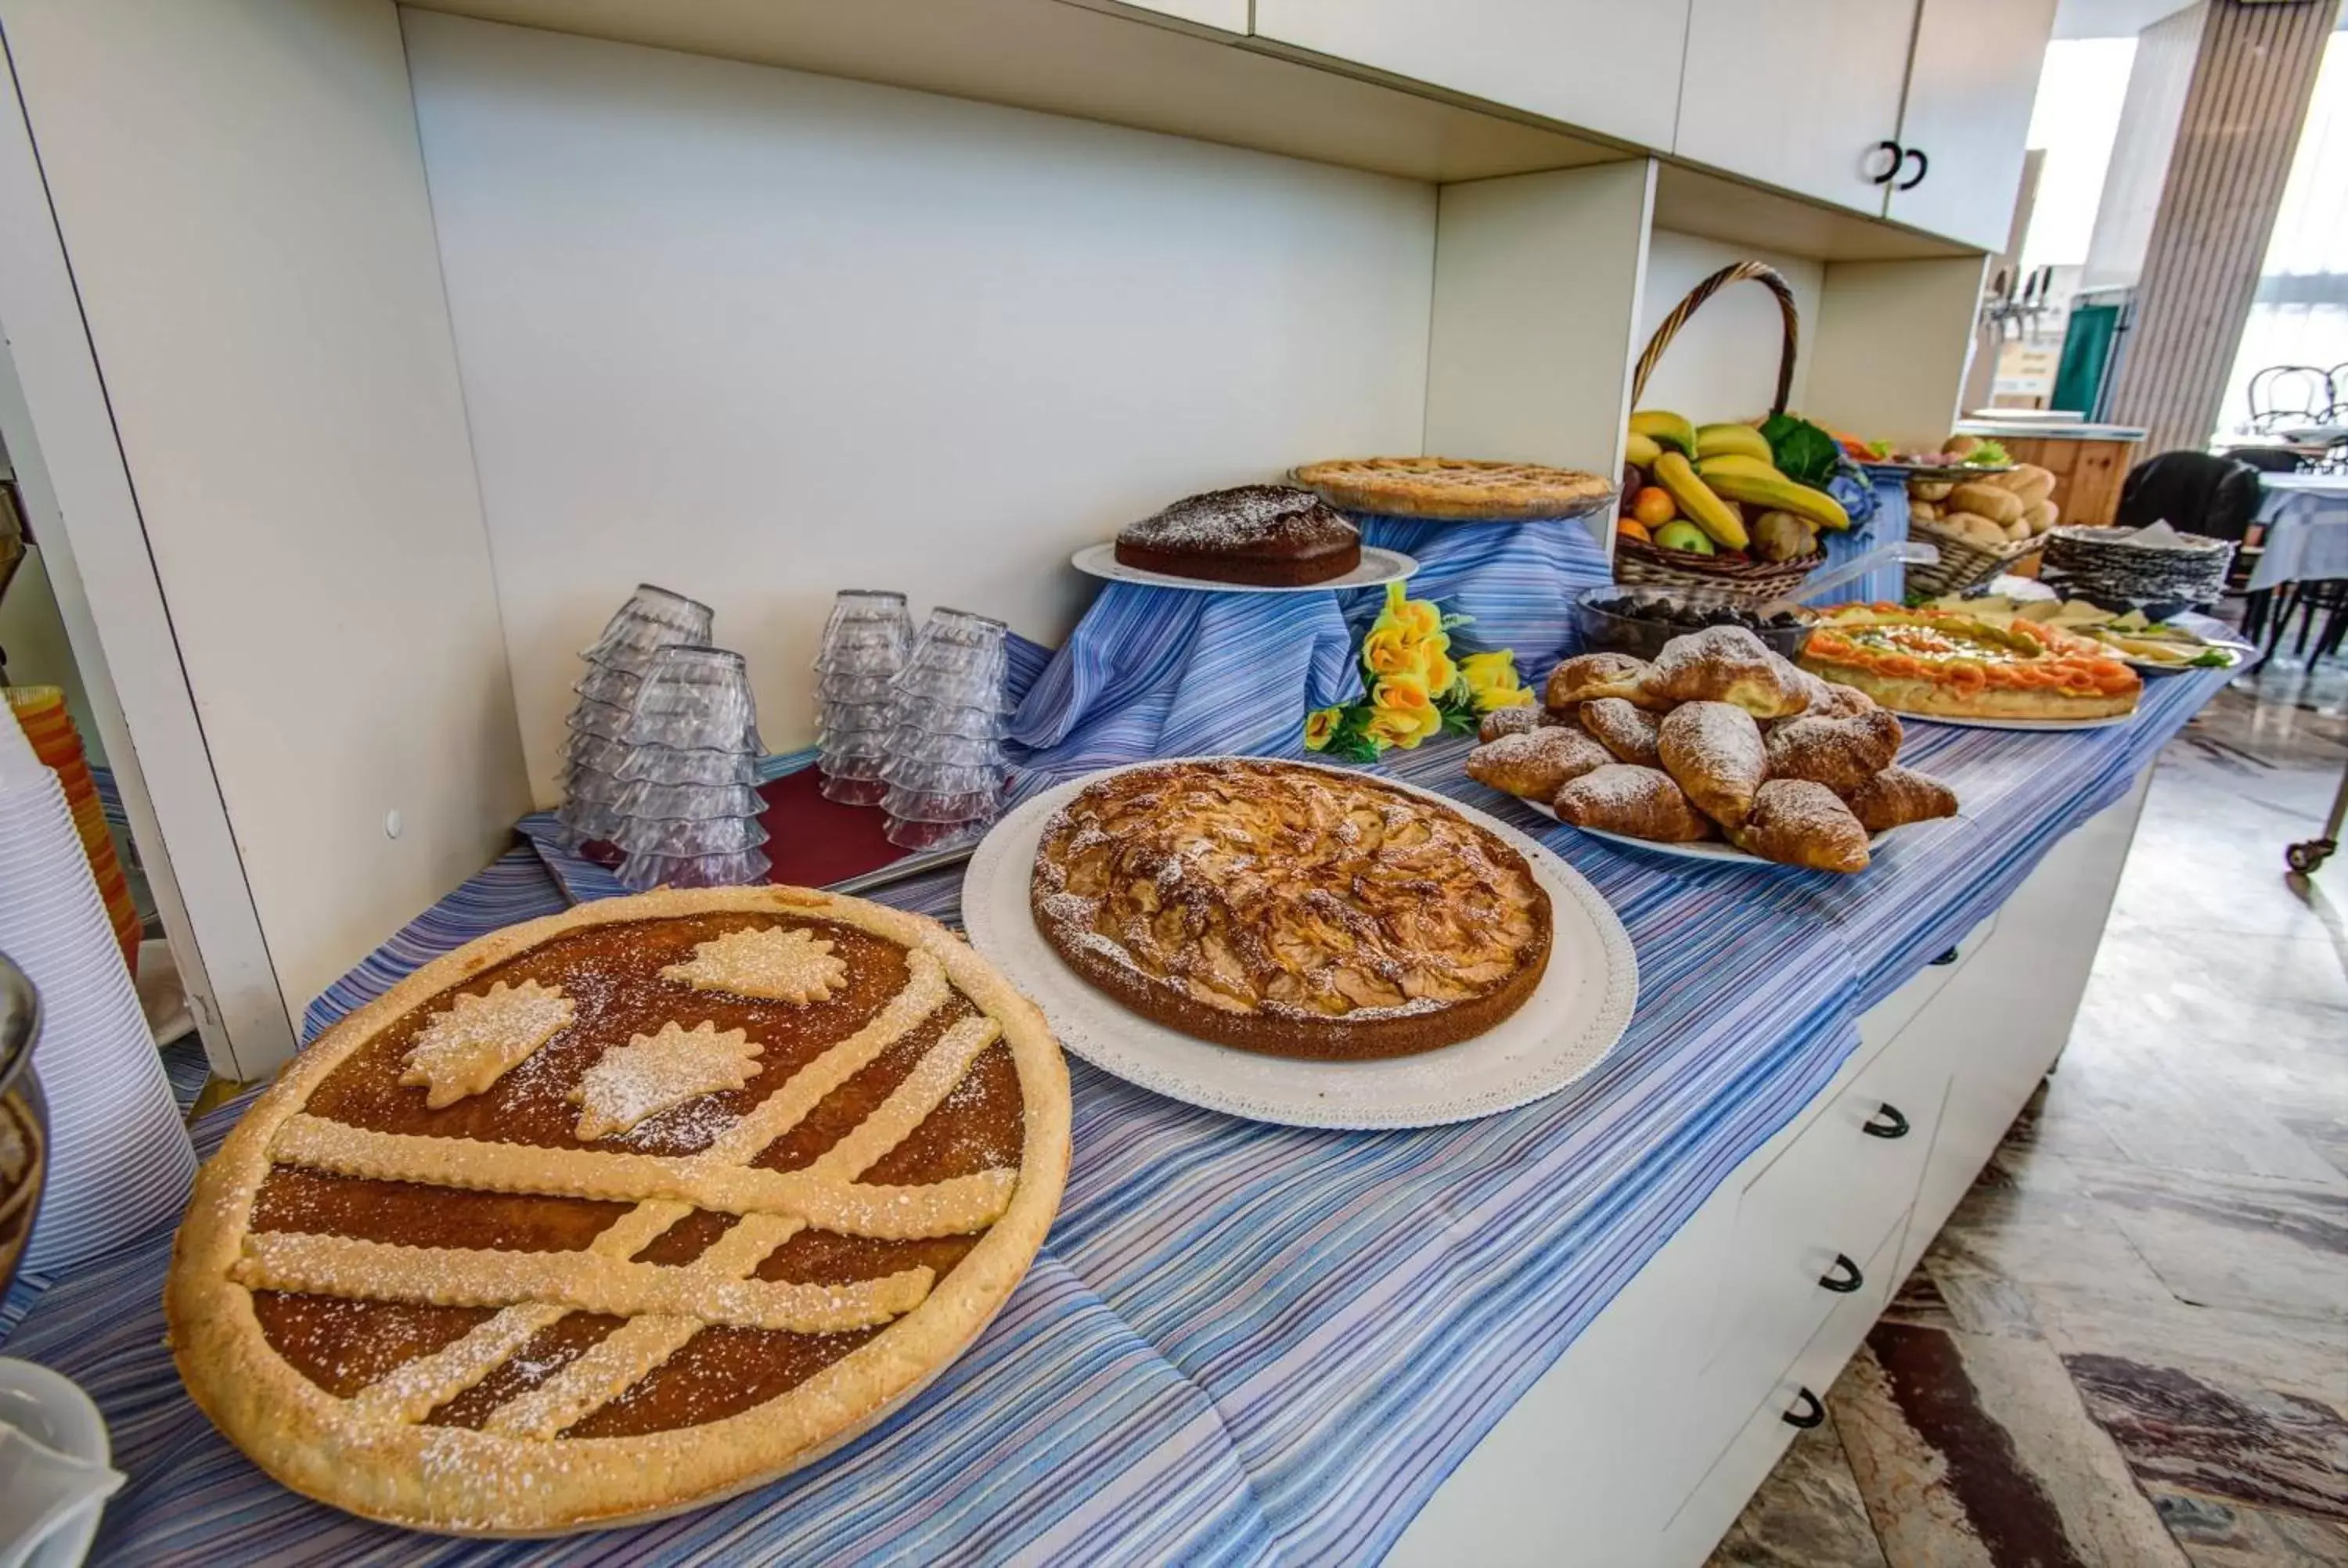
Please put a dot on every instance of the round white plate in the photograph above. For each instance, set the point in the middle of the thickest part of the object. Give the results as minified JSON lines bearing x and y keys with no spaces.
{"x":54,"y":1412}
{"x":1574,"y":1017}
{"x":1702,"y":849}
{"x":1379,"y":568}
{"x":2108,"y":721}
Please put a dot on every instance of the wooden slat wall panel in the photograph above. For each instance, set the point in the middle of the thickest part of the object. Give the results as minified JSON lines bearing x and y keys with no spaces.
{"x":2251,"y":83}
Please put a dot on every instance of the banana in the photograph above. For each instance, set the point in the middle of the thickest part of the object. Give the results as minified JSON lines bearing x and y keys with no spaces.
{"x":1781,"y":495}
{"x":1739,"y":463}
{"x":1641,"y":450}
{"x":1666,"y":429}
{"x":1720,"y":440}
{"x":1698,"y":503}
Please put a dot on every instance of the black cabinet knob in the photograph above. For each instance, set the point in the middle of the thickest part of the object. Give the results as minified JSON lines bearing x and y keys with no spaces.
{"x":1843,"y":1277}
{"x":1887,"y":1122}
{"x":1806,"y":1414}
{"x":1923,"y":167}
{"x":1945,"y":959}
{"x":1891,"y":152}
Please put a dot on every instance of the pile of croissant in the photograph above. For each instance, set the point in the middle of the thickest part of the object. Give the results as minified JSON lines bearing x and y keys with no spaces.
{"x":1719,"y":736}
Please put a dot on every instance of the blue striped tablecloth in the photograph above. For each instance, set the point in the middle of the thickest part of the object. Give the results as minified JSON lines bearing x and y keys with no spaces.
{"x":1241,"y":1343}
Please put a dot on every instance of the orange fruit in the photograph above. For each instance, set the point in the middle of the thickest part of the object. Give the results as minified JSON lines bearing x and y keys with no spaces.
{"x":1654,"y":507}
{"x":1632,"y":529}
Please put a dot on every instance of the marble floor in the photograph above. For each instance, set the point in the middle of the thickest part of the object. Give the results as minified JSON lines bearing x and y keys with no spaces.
{"x":2130,"y":1344}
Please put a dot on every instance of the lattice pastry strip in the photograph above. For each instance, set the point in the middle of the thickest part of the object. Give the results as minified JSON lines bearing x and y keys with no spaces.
{"x":631,"y":1352}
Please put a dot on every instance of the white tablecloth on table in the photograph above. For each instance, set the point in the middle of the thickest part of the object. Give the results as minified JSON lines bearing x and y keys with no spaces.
{"x":2306,"y":518}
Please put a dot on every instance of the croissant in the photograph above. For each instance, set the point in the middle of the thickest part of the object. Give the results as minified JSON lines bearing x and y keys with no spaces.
{"x":1723,"y":664}
{"x":1715,"y":752}
{"x":1833,"y":699}
{"x":1797,"y":823}
{"x":1628,"y":733}
{"x":1507,"y":721}
{"x":1590,"y":675}
{"x":1641,"y":803}
{"x":1536,"y":764}
{"x":1896,"y":796}
{"x":1840,"y":753}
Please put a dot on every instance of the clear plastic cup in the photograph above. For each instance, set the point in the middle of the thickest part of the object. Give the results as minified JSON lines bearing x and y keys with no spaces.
{"x":862,"y":608}
{"x":722,"y":835}
{"x":643,"y":871}
{"x":586,"y":822}
{"x":849,"y":688}
{"x":608,"y":683}
{"x":605,"y":720}
{"x":942,"y":778}
{"x":909,"y":744}
{"x":849,"y":766}
{"x":687,"y":802}
{"x":659,"y":764}
{"x":853,"y":790}
{"x":653,"y":617}
{"x":695,"y":699}
{"x":908,"y":834}
{"x":956,"y":806}
{"x":961,"y":626}
{"x":852,"y":718}
{"x":982,"y":722}
{"x":952,"y":688}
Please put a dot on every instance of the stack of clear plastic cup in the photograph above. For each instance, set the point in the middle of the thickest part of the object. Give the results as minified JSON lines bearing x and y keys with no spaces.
{"x":685,"y":796}
{"x":653,"y":619}
{"x":865,"y":644}
{"x":943,"y":770}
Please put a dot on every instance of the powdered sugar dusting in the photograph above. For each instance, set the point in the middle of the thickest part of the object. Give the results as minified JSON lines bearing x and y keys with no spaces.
{"x":1250,"y":516}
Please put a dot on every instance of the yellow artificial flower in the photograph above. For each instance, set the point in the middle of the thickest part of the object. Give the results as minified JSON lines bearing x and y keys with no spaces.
{"x":1416,"y":619}
{"x":1434,"y":664}
{"x":1387,"y":651}
{"x":1403,"y":712}
{"x":1492,"y":682}
{"x":1319,"y":725}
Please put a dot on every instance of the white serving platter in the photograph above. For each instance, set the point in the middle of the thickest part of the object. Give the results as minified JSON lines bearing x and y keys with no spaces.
{"x":1713,"y":849}
{"x":1379,"y":568}
{"x":1573,"y":1018}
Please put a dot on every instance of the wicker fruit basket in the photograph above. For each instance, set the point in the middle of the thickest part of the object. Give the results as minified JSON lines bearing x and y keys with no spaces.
{"x":1748,"y":582}
{"x":1964,"y":562}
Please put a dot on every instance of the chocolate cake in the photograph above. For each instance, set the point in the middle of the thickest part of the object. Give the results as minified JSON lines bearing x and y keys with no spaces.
{"x":1266,"y":536}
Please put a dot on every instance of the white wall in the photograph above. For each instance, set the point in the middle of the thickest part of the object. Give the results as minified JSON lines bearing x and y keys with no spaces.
{"x":1723,"y":364}
{"x":239,"y":194}
{"x":759,"y":335}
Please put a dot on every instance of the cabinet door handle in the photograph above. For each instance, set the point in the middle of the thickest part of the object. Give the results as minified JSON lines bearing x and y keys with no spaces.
{"x":1898,"y":157}
{"x":1843,"y":1277}
{"x":1887,"y":1122}
{"x":1945,"y":959}
{"x":1809,"y":1414}
{"x":1923,"y":167}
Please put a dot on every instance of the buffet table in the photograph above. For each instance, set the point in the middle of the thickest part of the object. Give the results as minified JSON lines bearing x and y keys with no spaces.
{"x":1245,"y":1342}
{"x":2306,"y":519}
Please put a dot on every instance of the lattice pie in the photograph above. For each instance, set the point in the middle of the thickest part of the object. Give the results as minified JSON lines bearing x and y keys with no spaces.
{"x":616,"y":1214}
{"x":1297,"y":911}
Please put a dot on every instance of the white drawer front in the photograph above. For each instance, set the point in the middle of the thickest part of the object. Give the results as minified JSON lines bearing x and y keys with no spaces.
{"x":1889,"y":1016}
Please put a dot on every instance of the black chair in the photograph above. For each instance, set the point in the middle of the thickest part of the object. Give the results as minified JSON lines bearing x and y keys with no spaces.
{"x":2217,"y":498}
{"x":2282,"y":393}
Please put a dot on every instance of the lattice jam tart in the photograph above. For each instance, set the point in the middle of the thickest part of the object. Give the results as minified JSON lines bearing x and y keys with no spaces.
{"x":616,"y":1214}
{"x":1293,"y":910}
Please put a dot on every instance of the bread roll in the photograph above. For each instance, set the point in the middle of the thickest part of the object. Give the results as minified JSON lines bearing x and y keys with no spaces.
{"x":1724,"y":664}
{"x":1627,"y":732}
{"x":1897,"y":797}
{"x":1999,"y":507}
{"x":1797,"y":823}
{"x":1588,"y":675}
{"x":2040,"y":515}
{"x":1715,"y":752}
{"x":1507,"y":721}
{"x":1642,"y":802}
{"x":1536,"y":764}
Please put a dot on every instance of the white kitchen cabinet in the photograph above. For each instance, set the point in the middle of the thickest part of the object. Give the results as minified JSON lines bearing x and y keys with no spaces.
{"x":1230,"y":16}
{"x":1593,"y":64}
{"x":1971,"y":81}
{"x":1799,"y":94}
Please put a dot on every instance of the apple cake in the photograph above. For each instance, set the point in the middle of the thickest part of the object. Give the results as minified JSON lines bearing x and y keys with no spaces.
{"x":618,"y":1212}
{"x":1289,"y":909}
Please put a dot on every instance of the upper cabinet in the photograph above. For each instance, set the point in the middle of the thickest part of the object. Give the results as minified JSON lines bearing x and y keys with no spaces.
{"x":1599,"y":65}
{"x":1799,"y":94}
{"x":1971,"y":85}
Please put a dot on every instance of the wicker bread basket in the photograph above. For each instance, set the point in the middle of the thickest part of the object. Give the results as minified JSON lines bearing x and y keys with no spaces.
{"x":1964,"y":562}
{"x":1748,"y":582}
